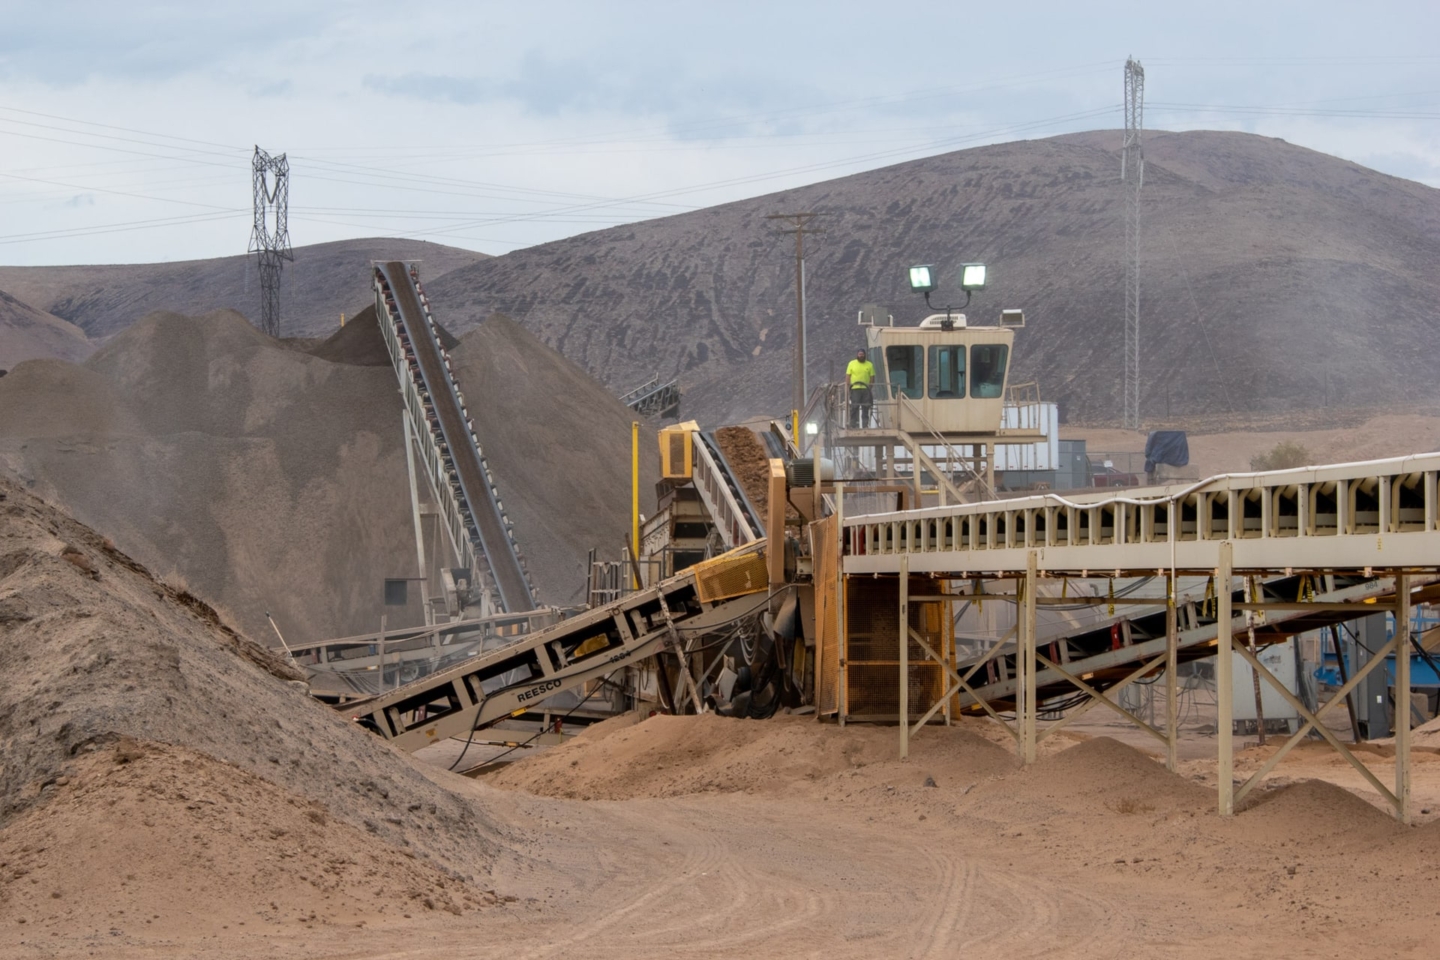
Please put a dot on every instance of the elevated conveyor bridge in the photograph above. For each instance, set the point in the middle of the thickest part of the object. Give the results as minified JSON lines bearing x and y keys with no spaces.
{"x":1281,"y":552}
{"x":459,"y":475}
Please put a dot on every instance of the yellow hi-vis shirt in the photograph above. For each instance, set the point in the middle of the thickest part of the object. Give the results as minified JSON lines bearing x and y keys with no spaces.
{"x":860,"y":373}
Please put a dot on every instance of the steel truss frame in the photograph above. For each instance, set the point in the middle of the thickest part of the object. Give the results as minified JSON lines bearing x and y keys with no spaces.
{"x":1378,"y":521}
{"x":1032,"y":669}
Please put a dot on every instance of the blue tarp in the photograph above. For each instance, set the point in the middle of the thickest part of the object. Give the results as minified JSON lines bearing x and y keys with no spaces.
{"x":1168,"y":447}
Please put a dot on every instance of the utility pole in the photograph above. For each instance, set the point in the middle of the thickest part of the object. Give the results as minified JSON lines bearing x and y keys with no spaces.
{"x":800,"y":226}
{"x":1132,"y":175}
{"x":271,"y":177}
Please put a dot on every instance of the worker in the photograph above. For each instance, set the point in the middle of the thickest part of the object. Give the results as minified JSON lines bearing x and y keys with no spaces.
{"x":859,"y":374}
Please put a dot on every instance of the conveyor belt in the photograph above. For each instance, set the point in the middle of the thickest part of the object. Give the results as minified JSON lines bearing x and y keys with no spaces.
{"x":1355,"y":523}
{"x":486,"y":689}
{"x":735,"y":519}
{"x":422,"y":363}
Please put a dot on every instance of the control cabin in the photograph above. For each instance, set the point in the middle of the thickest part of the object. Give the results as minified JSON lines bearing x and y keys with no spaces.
{"x":953,"y":374}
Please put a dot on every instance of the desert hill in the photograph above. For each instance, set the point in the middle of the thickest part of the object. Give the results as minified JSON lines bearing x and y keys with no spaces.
{"x":28,"y":334}
{"x":325,"y":280}
{"x":1275,"y":277}
{"x":268,"y":478}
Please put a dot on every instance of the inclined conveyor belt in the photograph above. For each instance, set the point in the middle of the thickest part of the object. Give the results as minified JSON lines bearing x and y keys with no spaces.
{"x":421,"y":357}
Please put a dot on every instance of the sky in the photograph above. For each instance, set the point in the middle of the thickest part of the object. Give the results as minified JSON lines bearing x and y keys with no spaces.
{"x":127,"y":131}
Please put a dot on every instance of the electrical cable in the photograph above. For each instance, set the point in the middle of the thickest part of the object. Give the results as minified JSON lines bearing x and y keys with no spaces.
{"x":476,"y":726}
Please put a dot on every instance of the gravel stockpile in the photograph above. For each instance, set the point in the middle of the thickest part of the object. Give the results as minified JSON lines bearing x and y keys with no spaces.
{"x":94,"y":649}
{"x":270,"y":478}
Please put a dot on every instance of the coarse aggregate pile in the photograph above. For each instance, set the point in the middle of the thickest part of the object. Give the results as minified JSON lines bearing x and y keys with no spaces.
{"x":270,"y":475}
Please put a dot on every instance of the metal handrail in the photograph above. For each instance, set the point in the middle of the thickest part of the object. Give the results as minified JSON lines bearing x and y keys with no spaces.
{"x":951,"y":452}
{"x":725,"y":510}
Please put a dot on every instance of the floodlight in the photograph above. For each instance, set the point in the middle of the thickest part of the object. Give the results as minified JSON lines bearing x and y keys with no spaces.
{"x":922,"y":278}
{"x":811,"y":428}
{"x":972,"y":276}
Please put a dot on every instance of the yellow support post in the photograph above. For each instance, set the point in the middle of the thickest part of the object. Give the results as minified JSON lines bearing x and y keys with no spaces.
{"x":635,"y":498}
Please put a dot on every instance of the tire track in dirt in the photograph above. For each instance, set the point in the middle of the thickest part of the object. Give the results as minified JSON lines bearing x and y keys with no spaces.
{"x":955,"y":901}
{"x":732,"y":904}
{"x":699,"y":859}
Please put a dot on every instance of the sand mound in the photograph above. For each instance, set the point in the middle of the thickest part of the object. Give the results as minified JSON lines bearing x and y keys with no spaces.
{"x":1315,"y":809}
{"x":358,"y":343}
{"x":1110,"y":771}
{"x":1425,"y":735}
{"x":668,"y":756}
{"x":274,"y":479}
{"x":51,"y":398}
{"x":154,"y":839}
{"x":92,"y":649}
{"x":267,"y":478}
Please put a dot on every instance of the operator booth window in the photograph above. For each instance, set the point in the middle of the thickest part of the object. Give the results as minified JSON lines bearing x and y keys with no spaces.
{"x":987,"y":370}
{"x":906,"y":367}
{"x":947,"y":372}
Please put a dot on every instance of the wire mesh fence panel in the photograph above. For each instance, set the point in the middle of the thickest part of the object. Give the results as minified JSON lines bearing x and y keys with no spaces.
{"x":872,"y":648}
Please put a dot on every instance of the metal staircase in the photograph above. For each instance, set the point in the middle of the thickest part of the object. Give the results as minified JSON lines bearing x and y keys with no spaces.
{"x":654,"y":399}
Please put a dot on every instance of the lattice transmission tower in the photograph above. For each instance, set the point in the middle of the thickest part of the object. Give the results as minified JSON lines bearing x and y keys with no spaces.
{"x":271,"y":244}
{"x":1132,"y":175}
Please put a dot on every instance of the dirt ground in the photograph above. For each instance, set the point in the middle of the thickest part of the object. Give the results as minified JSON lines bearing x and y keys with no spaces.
{"x":710,"y":837}
{"x":166,"y":790}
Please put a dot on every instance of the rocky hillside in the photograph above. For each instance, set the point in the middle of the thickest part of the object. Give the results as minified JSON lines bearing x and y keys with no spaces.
{"x":27,"y":334}
{"x":325,"y":280}
{"x":1274,"y":277}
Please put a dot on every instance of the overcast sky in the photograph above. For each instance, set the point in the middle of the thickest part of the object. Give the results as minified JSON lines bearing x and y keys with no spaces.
{"x":126,"y":130}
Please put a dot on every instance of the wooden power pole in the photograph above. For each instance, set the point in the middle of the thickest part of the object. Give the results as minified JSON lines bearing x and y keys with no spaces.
{"x":800,"y":226}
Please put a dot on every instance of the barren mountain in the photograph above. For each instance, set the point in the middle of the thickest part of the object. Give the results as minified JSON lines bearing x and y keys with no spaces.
{"x":325,"y":280}
{"x":27,"y":334}
{"x":1273,"y":277}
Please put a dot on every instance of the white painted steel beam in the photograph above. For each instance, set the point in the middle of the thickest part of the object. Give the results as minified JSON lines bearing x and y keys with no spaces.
{"x":1375,"y":514}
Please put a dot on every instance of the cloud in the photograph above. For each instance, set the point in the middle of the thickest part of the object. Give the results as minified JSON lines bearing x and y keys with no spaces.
{"x":65,"y":45}
{"x":276,"y":88}
{"x":546,"y":87}
{"x":435,"y":88}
